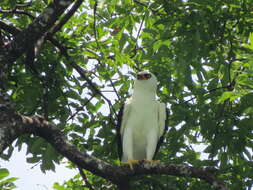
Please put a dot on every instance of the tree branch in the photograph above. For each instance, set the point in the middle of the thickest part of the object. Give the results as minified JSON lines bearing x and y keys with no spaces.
{"x":87,"y":183}
{"x":15,"y":11}
{"x":13,"y":125}
{"x":66,"y":17}
{"x":80,"y":108}
{"x":155,"y":12}
{"x":40,"y":26}
{"x":23,"y":5}
{"x":11,"y":29}
{"x":95,"y":23}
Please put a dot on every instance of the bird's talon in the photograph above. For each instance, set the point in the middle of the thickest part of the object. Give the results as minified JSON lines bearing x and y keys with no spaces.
{"x":130,"y":163}
{"x":152,"y":161}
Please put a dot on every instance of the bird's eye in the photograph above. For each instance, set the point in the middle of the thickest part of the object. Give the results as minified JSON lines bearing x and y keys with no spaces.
{"x":139,"y":77}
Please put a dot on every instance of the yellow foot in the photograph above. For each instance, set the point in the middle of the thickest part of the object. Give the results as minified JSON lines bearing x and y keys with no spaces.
{"x":152,"y":161}
{"x":130,"y":163}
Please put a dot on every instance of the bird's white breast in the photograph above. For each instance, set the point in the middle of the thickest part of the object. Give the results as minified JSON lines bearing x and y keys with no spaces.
{"x":143,"y":116}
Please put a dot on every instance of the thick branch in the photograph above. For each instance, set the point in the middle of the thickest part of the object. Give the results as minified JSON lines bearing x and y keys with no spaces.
{"x":12,"y":125}
{"x":38,"y":29}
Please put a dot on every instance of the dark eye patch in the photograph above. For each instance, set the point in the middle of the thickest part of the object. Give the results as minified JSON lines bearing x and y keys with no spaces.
{"x":147,"y":75}
{"x":139,"y":77}
{"x":143,"y":76}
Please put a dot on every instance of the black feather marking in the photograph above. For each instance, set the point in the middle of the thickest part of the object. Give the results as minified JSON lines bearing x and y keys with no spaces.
{"x":118,"y":135}
{"x":164,"y":132}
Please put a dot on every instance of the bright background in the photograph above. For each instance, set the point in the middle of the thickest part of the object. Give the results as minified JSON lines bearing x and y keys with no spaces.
{"x":30,"y":175}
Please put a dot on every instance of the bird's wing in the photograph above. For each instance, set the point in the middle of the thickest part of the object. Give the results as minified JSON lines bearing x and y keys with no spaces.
{"x":122,"y":117}
{"x":163,"y":114}
{"x":125,"y":117}
{"x":161,"y":117}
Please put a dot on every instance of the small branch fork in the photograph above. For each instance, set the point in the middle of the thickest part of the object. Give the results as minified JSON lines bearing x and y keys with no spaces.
{"x":13,"y":125}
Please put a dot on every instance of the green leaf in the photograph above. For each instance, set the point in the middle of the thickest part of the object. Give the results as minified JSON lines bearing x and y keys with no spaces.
{"x":225,"y":96}
{"x":160,"y":43}
{"x":3,"y":173}
{"x":9,"y":180}
{"x":58,"y":187}
{"x":33,"y":159}
{"x":250,"y":45}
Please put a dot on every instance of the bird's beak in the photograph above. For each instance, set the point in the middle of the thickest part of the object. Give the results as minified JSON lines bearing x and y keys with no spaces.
{"x":143,"y":76}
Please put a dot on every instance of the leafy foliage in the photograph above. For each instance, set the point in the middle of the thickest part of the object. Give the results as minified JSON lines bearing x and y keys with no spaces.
{"x":201,"y":52}
{"x":6,"y":183}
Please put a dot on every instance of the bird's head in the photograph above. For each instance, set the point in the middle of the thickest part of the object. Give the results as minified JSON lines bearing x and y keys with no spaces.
{"x":145,"y":81}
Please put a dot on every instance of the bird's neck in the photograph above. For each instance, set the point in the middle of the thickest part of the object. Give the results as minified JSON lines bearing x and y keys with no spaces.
{"x":143,"y":96}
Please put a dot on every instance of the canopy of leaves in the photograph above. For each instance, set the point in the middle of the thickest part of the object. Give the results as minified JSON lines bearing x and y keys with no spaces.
{"x":201,"y":52}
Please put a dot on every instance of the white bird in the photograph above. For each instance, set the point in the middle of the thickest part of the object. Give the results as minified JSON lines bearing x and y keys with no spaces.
{"x":141,"y":125}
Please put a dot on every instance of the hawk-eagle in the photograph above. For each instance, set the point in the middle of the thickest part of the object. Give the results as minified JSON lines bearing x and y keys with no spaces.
{"x":141,"y":122}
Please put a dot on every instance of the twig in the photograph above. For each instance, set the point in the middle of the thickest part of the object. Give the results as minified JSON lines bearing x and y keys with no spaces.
{"x":95,"y":90}
{"x":214,"y":89}
{"x":114,"y":89}
{"x":155,"y":12}
{"x":101,"y":17}
{"x":137,"y":37}
{"x":22,"y":5}
{"x":35,"y":165}
{"x":80,"y":108}
{"x":84,"y":177}
{"x":14,"y":11}
{"x":218,"y":88}
{"x":1,"y":39}
{"x":66,"y":17}
{"x":110,"y":80}
{"x":107,"y":91}
{"x":139,"y":31}
{"x":45,"y":100}
{"x":94,"y":23}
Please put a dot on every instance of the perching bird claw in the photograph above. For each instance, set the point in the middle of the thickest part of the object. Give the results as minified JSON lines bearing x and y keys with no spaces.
{"x":130,"y":163}
{"x":152,"y":161}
